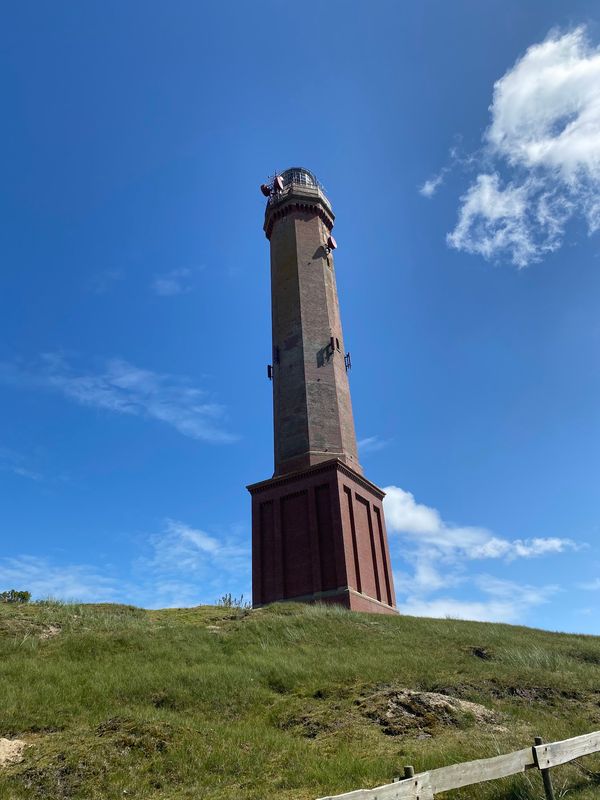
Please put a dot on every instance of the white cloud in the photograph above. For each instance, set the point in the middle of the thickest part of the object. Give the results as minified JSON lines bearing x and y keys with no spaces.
{"x":103,"y":281}
{"x":180,"y":547}
{"x":177,"y":281}
{"x":442,"y":557}
{"x":495,"y":219}
{"x":591,"y":586}
{"x":372,"y":444}
{"x":405,"y":515}
{"x":187,"y":566}
{"x":124,"y":388}
{"x":71,"y":582}
{"x":17,"y":464}
{"x":546,"y":109}
{"x":503,"y":601}
{"x":586,"y":612}
{"x":543,"y":143}
{"x":425,"y":526}
{"x":428,"y":577}
{"x":430,"y":187}
{"x":502,"y":589}
{"x":519,"y":548}
{"x":456,"y":158}
{"x":444,"y":607}
{"x":179,"y":566}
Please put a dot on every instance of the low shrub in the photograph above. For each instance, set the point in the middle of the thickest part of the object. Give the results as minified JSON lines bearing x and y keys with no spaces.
{"x":14,"y":596}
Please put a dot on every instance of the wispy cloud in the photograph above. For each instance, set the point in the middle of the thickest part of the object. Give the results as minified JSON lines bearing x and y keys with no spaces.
{"x":443,"y":556}
{"x":123,"y":388}
{"x":371,"y":444}
{"x":591,"y":586}
{"x":501,"y":601}
{"x":174,"y":282}
{"x":103,"y":281}
{"x":495,"y":219}
{"x":10,"y":461}
{"x":540,"y":162}
{"x":178,"y":566}
{"x":430,"y":186}
{"x":455,"y":159}
{"x":43,"y":579}
{"x":187,"y":565}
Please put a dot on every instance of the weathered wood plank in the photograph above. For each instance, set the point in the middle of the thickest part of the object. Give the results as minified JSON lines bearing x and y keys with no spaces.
{"x":357,"y":794}
{"x":486,"y":769}
{"x":555,"y":753}
{"x":425,"y":785}
{"x":416,"y":788}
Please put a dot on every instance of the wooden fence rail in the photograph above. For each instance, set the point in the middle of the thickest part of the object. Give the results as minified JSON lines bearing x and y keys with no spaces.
{"x":425,"y":785}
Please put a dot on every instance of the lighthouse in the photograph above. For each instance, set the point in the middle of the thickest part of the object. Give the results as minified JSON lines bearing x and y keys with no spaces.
{"x":318,"y":527}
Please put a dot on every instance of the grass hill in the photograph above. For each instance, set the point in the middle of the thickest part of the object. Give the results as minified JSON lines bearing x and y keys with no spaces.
{"x":285,"y":702}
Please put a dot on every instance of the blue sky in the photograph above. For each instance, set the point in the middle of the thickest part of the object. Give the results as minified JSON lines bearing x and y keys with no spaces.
{"x":459,"y":144}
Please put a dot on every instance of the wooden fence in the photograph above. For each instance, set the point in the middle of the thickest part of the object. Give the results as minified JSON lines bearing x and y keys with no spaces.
{"x":426,"y":785}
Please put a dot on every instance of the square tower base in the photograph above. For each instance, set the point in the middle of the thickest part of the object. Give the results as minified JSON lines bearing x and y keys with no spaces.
{"x":319,"y":535}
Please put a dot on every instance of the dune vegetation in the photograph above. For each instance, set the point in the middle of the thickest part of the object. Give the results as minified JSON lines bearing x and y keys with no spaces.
{"x":285,"y":702}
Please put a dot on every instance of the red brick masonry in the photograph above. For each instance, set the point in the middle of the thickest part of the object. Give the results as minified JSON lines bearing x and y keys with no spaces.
{"x":319,"y":535}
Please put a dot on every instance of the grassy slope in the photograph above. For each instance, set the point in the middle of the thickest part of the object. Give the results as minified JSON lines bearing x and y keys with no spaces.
{"x":159,"y":704}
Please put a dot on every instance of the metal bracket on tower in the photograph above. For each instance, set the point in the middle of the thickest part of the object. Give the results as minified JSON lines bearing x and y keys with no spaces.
{"x":347,"y":362}
{"x":334,"y":344}
{"x":269,"y":372}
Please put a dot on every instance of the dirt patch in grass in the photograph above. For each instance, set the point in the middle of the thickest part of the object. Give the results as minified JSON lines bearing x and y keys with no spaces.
{"x":129,"y":734}
{"x":535,"y":694}
{"x":50,"y":631}
{"x":319,"y":715}
{"x":528,"y":694}
{"x":309,"y":725}
{"x":23,"y":628}
{"x":11,"y":751}
{"x":316,"y":722}
{"x":404,"y":712}
{"x":59,"y":780}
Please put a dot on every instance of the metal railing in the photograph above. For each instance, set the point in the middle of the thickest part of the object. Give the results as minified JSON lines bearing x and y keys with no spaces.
{"x":294,"y":187}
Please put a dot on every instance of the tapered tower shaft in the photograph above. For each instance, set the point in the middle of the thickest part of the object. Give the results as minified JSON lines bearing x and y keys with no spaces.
{"x":312,"y":409}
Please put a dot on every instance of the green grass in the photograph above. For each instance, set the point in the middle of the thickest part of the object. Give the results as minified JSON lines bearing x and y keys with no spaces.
{"x":214,"y":703}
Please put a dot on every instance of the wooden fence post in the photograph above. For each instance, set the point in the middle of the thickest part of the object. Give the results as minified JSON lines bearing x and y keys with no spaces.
{"x":548,"y":788}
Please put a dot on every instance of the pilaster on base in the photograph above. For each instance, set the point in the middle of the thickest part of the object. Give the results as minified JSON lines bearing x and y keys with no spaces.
{"x":318,"y":535}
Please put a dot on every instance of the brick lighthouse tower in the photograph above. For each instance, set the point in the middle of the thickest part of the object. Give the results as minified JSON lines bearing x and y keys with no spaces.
{"x":318,"y":529}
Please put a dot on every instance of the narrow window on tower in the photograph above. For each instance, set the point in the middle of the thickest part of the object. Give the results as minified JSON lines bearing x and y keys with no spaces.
{"x":337,"y":344}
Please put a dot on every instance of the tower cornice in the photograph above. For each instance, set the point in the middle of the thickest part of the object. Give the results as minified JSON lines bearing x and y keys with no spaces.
{"x":295,"y":197}
{"x":325,"y":466}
